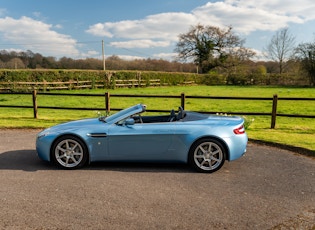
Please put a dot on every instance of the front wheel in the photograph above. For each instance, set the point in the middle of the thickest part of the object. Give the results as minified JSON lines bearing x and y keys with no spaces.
{"x":69,"y":152}
{"x":207,"y":155}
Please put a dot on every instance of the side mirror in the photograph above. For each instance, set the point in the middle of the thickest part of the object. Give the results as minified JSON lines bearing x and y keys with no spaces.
{"x":130,"y":121}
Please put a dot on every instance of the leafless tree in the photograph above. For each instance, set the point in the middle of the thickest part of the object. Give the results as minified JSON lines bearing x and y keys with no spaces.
{"x":281,"y":48}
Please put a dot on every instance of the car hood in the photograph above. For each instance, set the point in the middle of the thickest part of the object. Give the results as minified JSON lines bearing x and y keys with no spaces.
{"x":78,"y":123}
{"x":85,"y":124}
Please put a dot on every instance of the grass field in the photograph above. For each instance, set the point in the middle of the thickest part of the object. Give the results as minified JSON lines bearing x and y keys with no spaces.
{"x":298,"y":132}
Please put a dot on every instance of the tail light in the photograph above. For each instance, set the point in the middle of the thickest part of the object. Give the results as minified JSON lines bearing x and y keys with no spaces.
{"x":239,"y":130}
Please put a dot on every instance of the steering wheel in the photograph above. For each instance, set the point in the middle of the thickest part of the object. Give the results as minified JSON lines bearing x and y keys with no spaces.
{"x":138,"y":118}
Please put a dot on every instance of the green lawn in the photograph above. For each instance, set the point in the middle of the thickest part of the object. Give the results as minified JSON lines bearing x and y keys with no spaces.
{"x":298,"y":132}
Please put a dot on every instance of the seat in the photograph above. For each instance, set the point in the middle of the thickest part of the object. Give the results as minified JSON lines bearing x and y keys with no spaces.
{"x":181,"y":113}
{"x":172,"y":116}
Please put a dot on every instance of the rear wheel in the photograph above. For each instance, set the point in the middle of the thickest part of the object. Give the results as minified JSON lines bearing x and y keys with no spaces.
{"x":69,"y":152}
{"x":207,"y":155}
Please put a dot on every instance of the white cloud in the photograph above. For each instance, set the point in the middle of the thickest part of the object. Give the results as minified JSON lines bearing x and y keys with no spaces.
{"x":304,"y":9}
{"x":159,"y":26}
{"x":58,"y":26}
{"x":157,"y":30}
{"x":14,"y":50}
{"x":243,"y":15}
{"x":165,"y":56}
{"x":243,"y":19}
{"x":145,"y":43}
{"x":90,"y":54}
{"x":100,"y":29}
{"x":260,"y":55}
{"x":130,"y":57}
{"x":37,"y":36}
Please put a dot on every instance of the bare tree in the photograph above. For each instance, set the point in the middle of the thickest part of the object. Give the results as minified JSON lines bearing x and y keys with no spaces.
{"x":281,"y":48}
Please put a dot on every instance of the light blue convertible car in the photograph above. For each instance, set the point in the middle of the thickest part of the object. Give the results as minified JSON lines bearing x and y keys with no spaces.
{"x":203,"y":141}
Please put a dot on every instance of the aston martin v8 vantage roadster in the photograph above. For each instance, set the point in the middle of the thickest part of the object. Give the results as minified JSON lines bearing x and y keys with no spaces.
{"x":203,"y":141}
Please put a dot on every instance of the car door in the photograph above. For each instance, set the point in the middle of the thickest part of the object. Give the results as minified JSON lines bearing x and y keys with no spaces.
{"x":147,"y":142}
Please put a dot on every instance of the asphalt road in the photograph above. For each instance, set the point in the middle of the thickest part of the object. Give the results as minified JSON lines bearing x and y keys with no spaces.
{"x":268,"y":188}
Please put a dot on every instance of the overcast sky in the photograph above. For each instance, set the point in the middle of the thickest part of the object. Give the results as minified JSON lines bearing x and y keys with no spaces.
{"x":143,"y":28}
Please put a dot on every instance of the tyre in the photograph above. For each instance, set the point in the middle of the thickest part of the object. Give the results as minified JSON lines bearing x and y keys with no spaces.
{"x":207,"y":155}
{"x":69,"y":152}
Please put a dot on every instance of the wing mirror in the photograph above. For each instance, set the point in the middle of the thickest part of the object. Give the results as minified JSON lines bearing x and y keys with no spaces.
{"x":130,"y":121}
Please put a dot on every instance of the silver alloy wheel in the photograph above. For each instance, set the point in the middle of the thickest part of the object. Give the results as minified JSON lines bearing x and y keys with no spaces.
{"x":208,"y":156}
{"x":69,"y":153}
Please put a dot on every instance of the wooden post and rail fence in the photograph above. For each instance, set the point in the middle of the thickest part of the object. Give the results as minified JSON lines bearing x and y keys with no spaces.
{"x":182,"y":97}
{"x":69,"y":85}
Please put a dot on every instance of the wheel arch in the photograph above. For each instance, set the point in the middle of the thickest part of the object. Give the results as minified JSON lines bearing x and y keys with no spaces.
{"x":222,"y":142}
{"x":70,"y":135}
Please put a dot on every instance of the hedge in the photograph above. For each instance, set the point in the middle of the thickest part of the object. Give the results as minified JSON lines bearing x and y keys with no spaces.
{"x":96,"y":75}
{"x":166,"y":78}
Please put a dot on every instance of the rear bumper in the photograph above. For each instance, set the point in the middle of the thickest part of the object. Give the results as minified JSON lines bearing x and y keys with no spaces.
{"x":237,"y":146}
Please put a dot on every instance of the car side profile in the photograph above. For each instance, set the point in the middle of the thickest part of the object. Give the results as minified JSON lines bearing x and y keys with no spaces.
{"x":203,"y":141}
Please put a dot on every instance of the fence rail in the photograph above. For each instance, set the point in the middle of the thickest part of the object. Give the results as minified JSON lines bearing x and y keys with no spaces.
{"x":67,"y":85}
{"x":273,"y":114}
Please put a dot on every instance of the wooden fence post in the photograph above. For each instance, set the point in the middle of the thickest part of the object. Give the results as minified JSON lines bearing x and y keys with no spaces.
{"x":107,"y":102}
{"x":182,"y":99}
{"x":35,"y":103}
{"x":274,"y":111}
